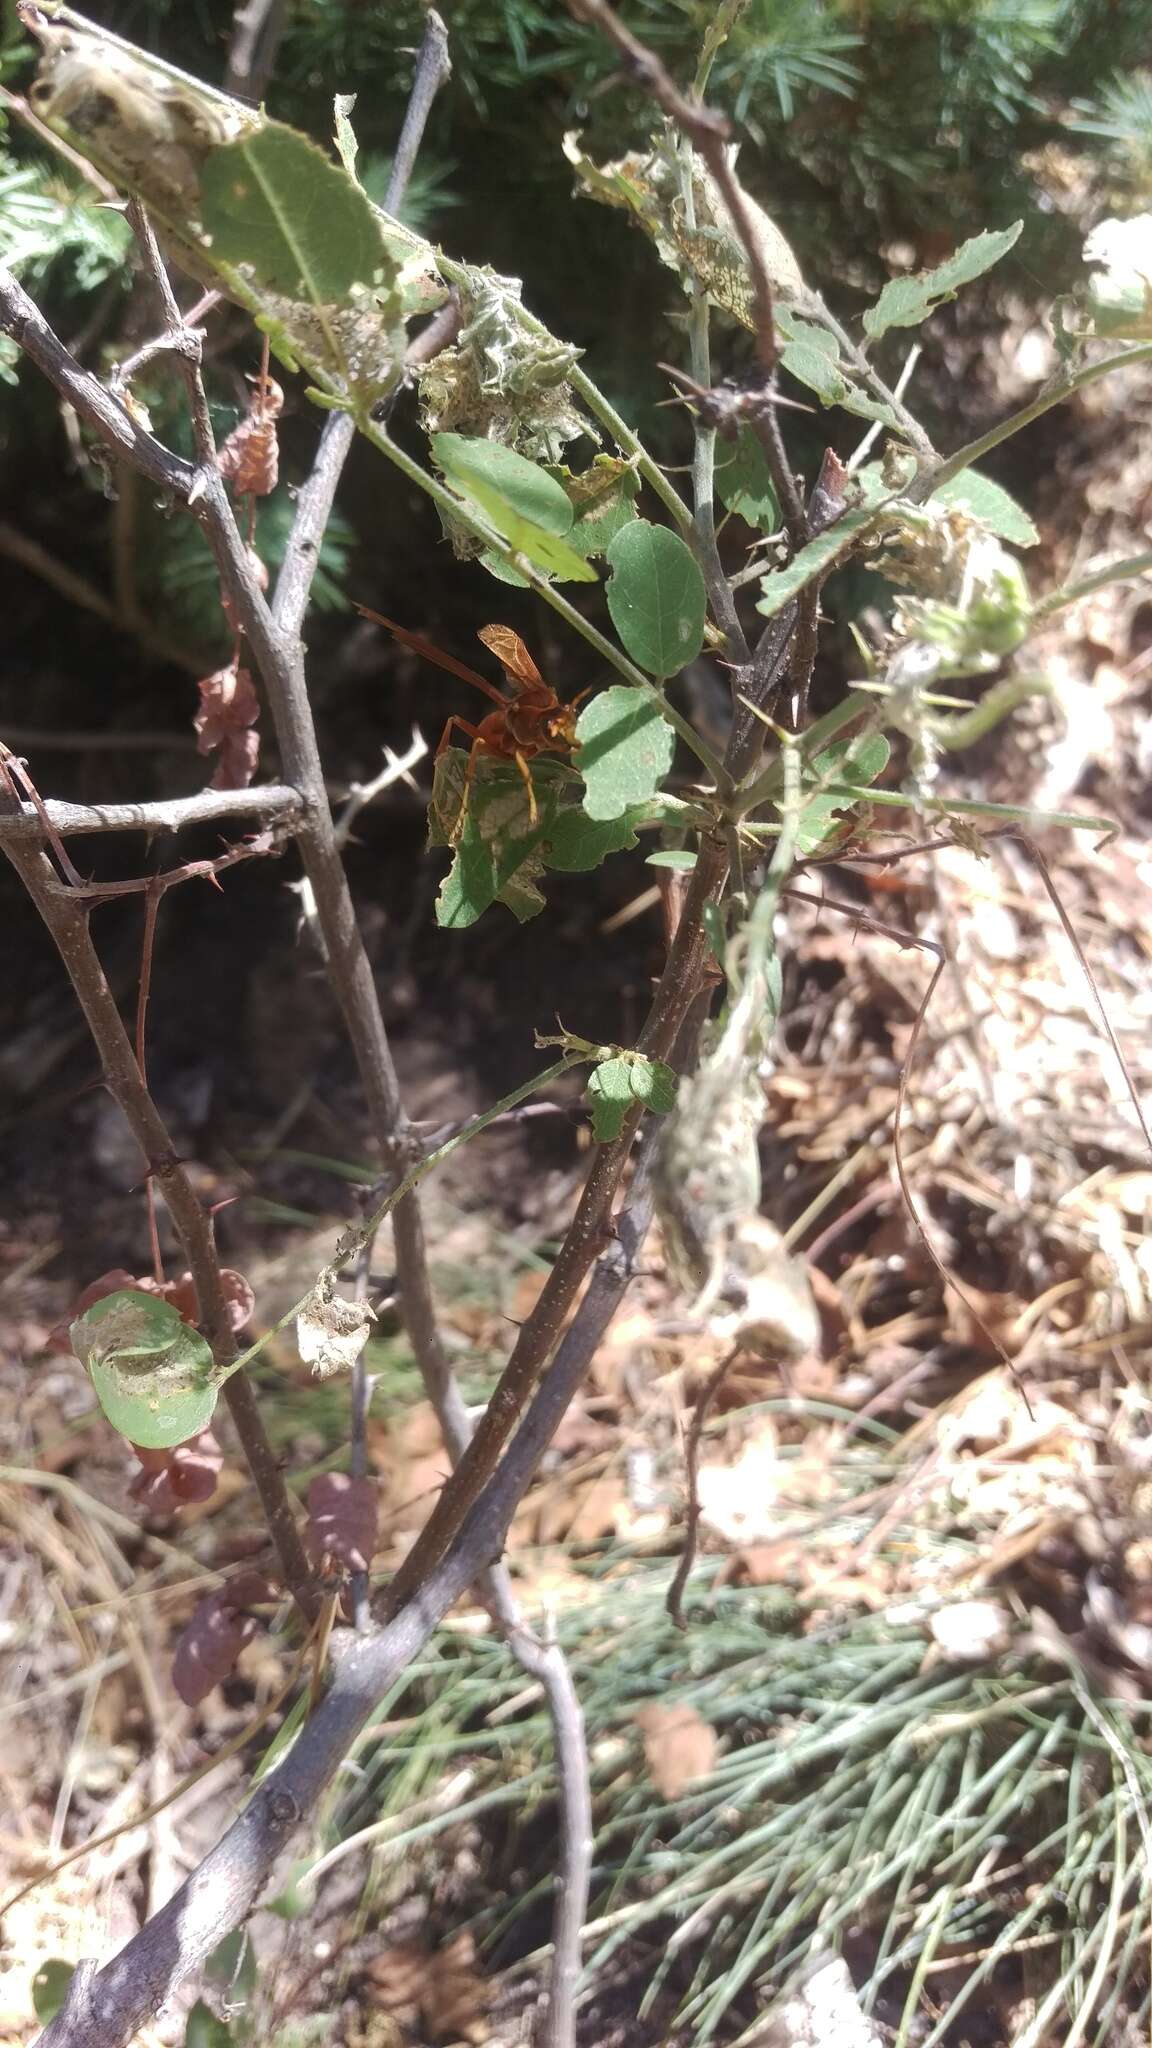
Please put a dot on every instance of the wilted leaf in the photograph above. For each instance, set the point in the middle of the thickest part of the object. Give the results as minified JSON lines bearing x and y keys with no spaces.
{"x":178,"y":1476}
{"x":656,"y":597}
{"x":249,"y":459}
{"x":332,"y":1332}
{"x":342,"y":1520}
{"x":155,"y":1378}
{"x":625,"y":750}
{"x":229,"y":708}
{"x":679,"y":1746}
{"x":906,"y":301}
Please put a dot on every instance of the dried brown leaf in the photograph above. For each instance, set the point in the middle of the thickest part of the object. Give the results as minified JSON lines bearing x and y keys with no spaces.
{"x":679,"y":1746}
{"x":250,"y":458}
{"x":225,"y":722}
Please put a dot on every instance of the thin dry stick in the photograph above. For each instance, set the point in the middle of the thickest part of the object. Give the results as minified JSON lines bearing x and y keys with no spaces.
{"x":273,"y":802}
{"x":700,"y":1413}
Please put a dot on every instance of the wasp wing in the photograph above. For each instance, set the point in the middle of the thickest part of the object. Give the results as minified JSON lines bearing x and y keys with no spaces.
{"x":513,"y":657}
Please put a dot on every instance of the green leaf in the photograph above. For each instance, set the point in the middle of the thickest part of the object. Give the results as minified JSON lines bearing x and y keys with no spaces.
{"x":526,"y":505}
{"x":202,"y":2029}
{"x":625,"y":749}
{"x":577,"y":842}
{"x":906,"y":301}
{"x":502,"y":482}
{"x":615,"y":1086}
{"x":744,"y":482}
{"x":656,"y":597}
{"x":991,"y":504}
{"x":813,"y":561}
{"x":154,"y":1376}
{"x":274,"y":204}
{"x":679,"y":858}
{"x":50,"y":1987}
{"x":860,"y":760}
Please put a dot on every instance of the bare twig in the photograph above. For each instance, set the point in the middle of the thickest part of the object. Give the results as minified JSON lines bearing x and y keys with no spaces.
{"x":257,"y":28}
{"x":700,"y":1413}
{"x":273,"y":802}
{"x":433,"y":70}
{"x":585,"y":1237}
{"x":23,"y":320}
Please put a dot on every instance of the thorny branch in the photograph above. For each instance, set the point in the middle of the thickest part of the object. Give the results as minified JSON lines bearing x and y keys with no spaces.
{"x":108,"y":2007}
{"x":273,"y":635}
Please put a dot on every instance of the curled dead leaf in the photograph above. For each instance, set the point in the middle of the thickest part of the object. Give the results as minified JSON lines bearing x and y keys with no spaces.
{"x":331,"y":1332}
{"x":679,"y":1746}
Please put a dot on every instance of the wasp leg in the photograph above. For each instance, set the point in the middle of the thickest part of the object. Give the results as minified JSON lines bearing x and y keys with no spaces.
{"x":526,"y":778}
{"x":477,"y":747}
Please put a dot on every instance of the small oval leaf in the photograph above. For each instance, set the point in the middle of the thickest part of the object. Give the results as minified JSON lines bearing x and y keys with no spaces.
{"x":155,"y":1378}
{"x":656,"y":597}
{"x":625,"y":750}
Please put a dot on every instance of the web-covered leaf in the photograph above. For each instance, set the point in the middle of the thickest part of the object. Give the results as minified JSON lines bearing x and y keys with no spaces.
{"x":154,"y":1377}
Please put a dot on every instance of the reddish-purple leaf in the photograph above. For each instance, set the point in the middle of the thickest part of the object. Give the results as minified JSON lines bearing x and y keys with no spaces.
{"x":174,"y":1478}
{"x":207,"y":1648}
{"x":341,"y":1520}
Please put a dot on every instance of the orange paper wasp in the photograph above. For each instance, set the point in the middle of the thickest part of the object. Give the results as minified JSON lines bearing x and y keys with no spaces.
{"x":531,"y":721}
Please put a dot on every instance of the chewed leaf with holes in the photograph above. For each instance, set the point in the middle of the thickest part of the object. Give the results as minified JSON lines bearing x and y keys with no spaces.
{"x":155,"y":1378}
{"x":906,"y":301}
{"x":625,"y":750}
{"x":616,"y":1085}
